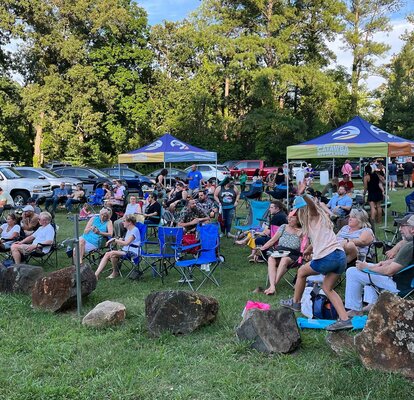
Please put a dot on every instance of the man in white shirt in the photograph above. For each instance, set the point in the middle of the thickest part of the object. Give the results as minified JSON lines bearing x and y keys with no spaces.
{"x":44,"y":235}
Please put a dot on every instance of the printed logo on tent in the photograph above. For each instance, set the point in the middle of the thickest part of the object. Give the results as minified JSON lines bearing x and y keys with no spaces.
{"x":181,"y":145}
{"x":346,"y":133}
{"x":153,"y":146}
{"x":378,"y":131}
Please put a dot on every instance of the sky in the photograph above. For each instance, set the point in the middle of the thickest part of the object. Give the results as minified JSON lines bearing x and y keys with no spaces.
{"x":175,"y":10}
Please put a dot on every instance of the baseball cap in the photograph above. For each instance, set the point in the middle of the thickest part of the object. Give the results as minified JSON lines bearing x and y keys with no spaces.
{"x":406,"y":220}
{"x":28,"y":208}
{"x":299,"y":202}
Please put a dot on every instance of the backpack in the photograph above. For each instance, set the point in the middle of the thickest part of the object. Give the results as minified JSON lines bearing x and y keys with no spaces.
{"x":322,"y":308}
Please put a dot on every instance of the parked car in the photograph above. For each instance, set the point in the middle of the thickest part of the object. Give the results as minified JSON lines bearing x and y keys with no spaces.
{"x":210,"y":172}
{"x":172,"y":174}
{"x":250,"y":166}
{"x":21,"y":188}
{"x":133,"y":178}
{"x":48,"y":175}
{"x":91,"y":178}
{"x":230,"y":163}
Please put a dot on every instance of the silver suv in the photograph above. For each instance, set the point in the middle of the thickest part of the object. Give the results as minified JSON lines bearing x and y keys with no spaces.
{"x":48,"y":175}
{"x":20,"y":188}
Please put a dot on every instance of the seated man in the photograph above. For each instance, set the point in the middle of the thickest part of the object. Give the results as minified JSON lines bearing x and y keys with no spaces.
{"x":356,"y":279}
{"x":30,"y":220}
{"x":60,"y":196}
{"x":340,"y":204}
{"x":75,"y":197}
{"x":206,"y":204}
{"x":44,"y":235}
{"x":191,"y":216}
{"x":347,"y":183}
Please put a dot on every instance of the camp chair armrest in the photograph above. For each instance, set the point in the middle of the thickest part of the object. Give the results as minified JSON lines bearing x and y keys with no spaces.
{"x":187,"y":247}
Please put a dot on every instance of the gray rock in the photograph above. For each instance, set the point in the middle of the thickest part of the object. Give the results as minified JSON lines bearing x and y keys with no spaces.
{"x":271,"y":331}
{"x":387,"y":340}
{"x":19,"y":278}
{"x":340,"y":342}
{"x":57,"y":291}
{"x":178,"y":312}
{"x":107,"y":313}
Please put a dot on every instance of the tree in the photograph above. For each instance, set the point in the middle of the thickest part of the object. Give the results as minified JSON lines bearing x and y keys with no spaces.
{"x":398,"y":99}
{"x":364,"y":19}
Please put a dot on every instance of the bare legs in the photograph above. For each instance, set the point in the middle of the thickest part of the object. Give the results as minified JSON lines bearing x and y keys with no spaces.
{"x":376,"y":211}
{"x":351,"y":251}
{"x":114,"y":256}
{"x":276,"y":268}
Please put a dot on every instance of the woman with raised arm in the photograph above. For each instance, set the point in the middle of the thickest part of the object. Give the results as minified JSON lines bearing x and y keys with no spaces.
{"x":328,"y":257}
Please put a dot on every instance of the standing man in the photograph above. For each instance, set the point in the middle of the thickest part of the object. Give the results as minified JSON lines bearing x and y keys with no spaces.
{"x":408,"y":173}
{"x":194,"y":178}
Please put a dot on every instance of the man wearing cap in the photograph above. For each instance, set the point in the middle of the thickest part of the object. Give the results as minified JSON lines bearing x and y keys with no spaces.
{"x":356,"y":279}
{"x":60,"y":195}
{"x":30,"y":220}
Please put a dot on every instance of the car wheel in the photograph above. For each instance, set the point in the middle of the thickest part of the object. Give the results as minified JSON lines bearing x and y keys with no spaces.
{"x":20,"y":197}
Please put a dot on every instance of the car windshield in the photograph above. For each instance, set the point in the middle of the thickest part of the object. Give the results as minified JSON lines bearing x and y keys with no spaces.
{"x":50,"y":174}
{"x":11,"y":173}
{"x":222,"y":168}
{"x":101,"y":174}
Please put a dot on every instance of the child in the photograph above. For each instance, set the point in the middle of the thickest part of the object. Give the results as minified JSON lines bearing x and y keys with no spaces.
{"x":85,"y":213}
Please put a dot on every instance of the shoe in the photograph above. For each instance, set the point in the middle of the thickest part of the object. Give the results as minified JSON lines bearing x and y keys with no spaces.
{"x":340,"y":325}
{"x":230,"y":235}
{"x":289,"y":303}
{"x":394,"y":190}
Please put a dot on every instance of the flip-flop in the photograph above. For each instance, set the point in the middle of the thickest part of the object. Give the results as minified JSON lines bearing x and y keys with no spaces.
{"x":270,"y":294}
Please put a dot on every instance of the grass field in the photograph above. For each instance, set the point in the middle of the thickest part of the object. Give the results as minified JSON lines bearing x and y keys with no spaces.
{"x":51,"y":356}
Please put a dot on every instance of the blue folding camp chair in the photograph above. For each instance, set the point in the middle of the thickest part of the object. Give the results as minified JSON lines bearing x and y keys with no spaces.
{"x":255,"y":217}
{"x":96,"y":199}
{"x":169,"y":245}
{"x":206,"y":260}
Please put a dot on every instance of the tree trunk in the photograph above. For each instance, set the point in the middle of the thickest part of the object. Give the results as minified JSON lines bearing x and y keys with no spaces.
{"x":38,"y":155}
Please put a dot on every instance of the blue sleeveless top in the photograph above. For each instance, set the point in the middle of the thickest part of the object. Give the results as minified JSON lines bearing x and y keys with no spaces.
{"x":92,"y":237}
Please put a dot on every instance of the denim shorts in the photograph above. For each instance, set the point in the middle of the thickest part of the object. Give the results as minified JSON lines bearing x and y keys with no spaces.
{"x":333,"y":262}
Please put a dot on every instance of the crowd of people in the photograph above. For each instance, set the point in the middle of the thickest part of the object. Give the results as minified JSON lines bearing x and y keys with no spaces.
{"x":307,"y":238}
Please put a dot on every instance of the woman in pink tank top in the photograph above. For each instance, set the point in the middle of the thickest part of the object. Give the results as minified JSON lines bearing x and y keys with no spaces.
{"x":328,"y":256}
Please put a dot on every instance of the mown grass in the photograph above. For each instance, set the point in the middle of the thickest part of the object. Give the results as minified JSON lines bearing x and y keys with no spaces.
{"x":52,"y":356}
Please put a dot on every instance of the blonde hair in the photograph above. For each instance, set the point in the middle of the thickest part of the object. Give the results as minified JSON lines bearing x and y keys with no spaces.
{"x":304,"y":218}
{"x":361,"y":216}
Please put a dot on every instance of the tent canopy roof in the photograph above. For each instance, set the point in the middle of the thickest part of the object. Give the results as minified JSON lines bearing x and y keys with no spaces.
{"x":167,"y":149}
{"x":356,"y":138}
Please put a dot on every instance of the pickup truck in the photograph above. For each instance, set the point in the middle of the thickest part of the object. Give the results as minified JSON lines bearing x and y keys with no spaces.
{"x":20,"y":188}
{"x":249,"y":166}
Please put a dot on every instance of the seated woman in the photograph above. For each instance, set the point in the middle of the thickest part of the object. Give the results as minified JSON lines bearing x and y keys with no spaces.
{"x":356,"y":237}
{"x":129,"y":244}
{"x":132,"y":208}
{"x":289,"y":238}
{"x":10,"y":232}
{"x":98,"y":228}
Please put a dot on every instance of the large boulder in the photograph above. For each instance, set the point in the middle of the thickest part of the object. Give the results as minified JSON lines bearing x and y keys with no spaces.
{"x":19,"y":278}
{"x":107,"y":313}
{"x":387,"y":341}
{"x":57,"y":291}
{"x":270,"y":331}
{"x":178,"y":312}
{"x":340,"y":342}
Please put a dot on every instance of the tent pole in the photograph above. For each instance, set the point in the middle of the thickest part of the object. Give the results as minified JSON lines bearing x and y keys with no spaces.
{"x":333,"y":168}
{"x":287,"y":188}
{"x":119,"y":170}
{"x":386,"y":193}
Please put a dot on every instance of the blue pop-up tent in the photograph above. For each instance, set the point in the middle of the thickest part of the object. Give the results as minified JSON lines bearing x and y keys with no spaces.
{"x":167,"y":149}
{"x":356,"y":138}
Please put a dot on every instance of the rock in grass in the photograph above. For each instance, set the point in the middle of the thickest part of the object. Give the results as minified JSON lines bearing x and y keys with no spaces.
{"x":387,"y":340}
{"x":57,"y":291}
{"x":270,"y":331}
{"x":107,"y":313}
{"x":340,"y":342}
{"x":178,"y":311}
{"x":19,"y":278}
